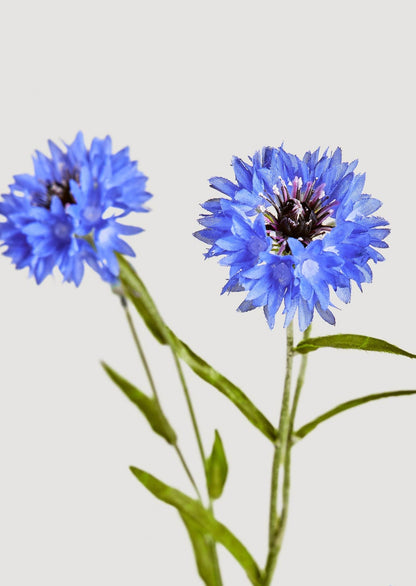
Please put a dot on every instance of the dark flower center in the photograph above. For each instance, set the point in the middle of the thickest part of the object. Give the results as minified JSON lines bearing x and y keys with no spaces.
{"x":296,"y":219}
{"x":303,"y":214}
{"x":61,"y":190}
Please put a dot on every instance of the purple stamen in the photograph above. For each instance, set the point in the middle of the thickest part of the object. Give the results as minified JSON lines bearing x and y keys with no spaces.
{"x":300,"y":214}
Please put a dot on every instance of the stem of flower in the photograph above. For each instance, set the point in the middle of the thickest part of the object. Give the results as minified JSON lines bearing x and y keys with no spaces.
{"x":190,"y":408}
{"x":188,"y":472}
{"x":299,"y":382}
{"x":153,"y":387}
{"x":139,"y":348}
{"x":202,"y":454}
{"x":281,"y":460}
{"x":277,"y":523}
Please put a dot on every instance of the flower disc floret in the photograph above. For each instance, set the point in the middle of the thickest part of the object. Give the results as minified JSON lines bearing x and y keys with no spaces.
{"x":67,"y":213}
{"x":292,"y":230}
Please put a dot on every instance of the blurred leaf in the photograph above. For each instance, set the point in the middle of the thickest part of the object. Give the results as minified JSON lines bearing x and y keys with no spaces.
{"x":148,"y":406}
{"x":137,"y":293}
{"x":217,"y":468}
{"x":204,"y":551}
{"x":352,"y":342}
{"x":202,"y":519}
{"x":305,"y":429}
{"x":139,"y":296}
{"x":225,"y":386}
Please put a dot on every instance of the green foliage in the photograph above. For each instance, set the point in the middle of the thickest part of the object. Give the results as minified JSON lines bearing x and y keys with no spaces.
{"x":352,"y":342}
{"x":305,"y":429}
{"x":137,"y":293}
{"x":203,"y":547}
{"x":226,"y":387}
{"x":148,"y":406}
{"x":217,"y":468}
{"x":203,"y":520}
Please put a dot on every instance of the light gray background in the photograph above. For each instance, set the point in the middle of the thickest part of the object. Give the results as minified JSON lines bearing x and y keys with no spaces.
{"x":187,"y":84}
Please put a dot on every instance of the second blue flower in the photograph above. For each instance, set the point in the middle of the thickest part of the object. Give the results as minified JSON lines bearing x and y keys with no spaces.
{"x":291,"y":230}
{"x":67,"y":213}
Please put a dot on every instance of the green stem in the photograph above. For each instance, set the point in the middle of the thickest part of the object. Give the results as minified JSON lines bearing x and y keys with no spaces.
{"x":202,"y":454}
{"x":273,"y":520}
{"x":190,"y":408}
{"x":215,"y":561}
{"x":193,"y":418}
{"x":281,"y":459}
{"x":300,"y":381}
{"x":139,"y":348}
{"x":285,"y":499}
{"x":153,"y":388}
{"x":277,"y":523}
{"x":188,"y":472}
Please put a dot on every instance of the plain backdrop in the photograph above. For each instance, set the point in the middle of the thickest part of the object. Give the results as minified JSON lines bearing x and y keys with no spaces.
{"x":187,"y":85}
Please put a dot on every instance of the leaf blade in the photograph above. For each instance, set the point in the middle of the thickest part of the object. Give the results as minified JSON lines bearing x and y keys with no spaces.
{"x":203,"y":551}
{"x":136,"y":291}
{"x":308,"y":427}
{"x":203,"y":519}
{"x":148,"y":406}
{"x":225,"y":386}
{"x":217,"y":468}
{"x":350,"y":342}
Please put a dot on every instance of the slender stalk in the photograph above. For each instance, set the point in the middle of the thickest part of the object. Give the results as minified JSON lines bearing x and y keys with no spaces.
{"x":202,"y":454}
{"x":139,"y":348}
{"x":190,"y":408}
{"x":153,"y":388}
{"x":193,"y":417}
{"x":216,"y":563}
{"x":281,"y":460}
{"x":273,"y":519}
{"x":300,"y":381}
{"x":283,"y":516}
{"x":186,"y":468}
{"x":277,"y":523}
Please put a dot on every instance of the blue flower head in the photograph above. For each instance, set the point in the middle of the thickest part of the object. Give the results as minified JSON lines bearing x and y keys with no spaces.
{"x":67,"y":213}
{"x":292,"y":230}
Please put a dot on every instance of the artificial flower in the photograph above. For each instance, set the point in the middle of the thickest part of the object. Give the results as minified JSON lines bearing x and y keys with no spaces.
{"x":292,"y":230}
{"x":68,"y":212}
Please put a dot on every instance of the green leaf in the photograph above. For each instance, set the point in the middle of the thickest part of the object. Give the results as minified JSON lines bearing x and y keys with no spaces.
{"x":148,"y":406}
{"x":139,"y":296}
{"x":305,"y":429}
{"x":137,"y":293}
{"x":350,"y":341}
{"x":204,"y":552}
{"x":217,"y":468}
{"x":225,"y":386}
{"x":202,"y":519}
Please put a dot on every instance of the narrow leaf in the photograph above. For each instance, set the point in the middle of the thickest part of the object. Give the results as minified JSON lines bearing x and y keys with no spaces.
{"x":350,"y":341}
{"x":137,"y":293}
{"x":145,"y":306}
{"x":203,"y":547}
{"x":203,"y":519}
{"x":305,"y":429}
{"x":225,"y":386}
{"x":217,"y":468}
{"x":148,"y":406}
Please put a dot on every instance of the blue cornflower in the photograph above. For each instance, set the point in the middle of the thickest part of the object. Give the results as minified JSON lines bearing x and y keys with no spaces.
{"x":292,"y":230}
{"x":67,"y":213}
